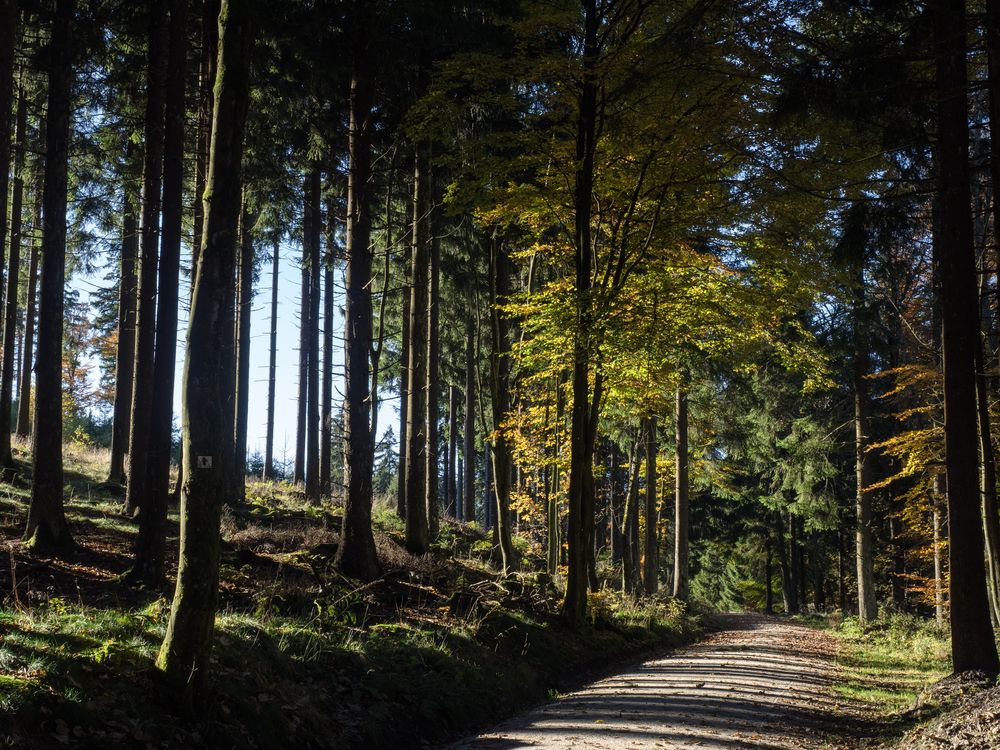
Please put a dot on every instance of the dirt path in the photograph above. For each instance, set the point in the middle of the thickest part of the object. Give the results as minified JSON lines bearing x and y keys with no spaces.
{"x":760,"y":684}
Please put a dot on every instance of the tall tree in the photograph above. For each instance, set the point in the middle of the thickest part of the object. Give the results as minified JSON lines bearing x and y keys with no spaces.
{"x":313,"y":233}
{"x":207,"y":416}
{"x":972,"y":640}
{"x":867,"y":606}
{"x":650,"y":567}
{"x":244,"y":302}
{"x":682,"y":509}
{"x":23,"y":426}
{"x":272,"y":363}
{"x":140,"y":419}
{"x":47,"y":526}
{"x":415,"y":471}
{"x":356,"y":555}
{"x":8,"y":42}
{"x":13,"y":273}
{"x":125,"y":351}
{"x":469,"y":430}
{"x":584,"y":411}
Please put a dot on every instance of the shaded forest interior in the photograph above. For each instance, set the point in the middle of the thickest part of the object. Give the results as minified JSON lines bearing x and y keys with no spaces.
{"x":610,"y":314}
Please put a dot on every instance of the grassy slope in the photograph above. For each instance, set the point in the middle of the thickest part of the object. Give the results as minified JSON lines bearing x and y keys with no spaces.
{"x":439,"y":646}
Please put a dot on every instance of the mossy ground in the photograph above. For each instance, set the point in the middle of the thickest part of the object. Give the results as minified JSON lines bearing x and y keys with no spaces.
{"x":439,"y":646}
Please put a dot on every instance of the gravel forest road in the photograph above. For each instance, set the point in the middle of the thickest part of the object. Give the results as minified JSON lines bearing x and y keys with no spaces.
{"x":758,"y":684}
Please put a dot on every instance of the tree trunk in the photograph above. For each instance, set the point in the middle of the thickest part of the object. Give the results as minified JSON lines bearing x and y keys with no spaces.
{"x":125,"y":351}
{"x":988,"y":485}
{"x":416,"y":435}
{"x":404,"y":393}
{"x":469,"y":430}
{"x":356,"y":554}
{"x":454,"y":506}
{"x":631,"y":574}
{"x":432,"y":403}
{"x":206,"y":82}
{"x":313,"y":198}
{"x":47,"y":527}
{"x":23,"y":427}
{"x":140,"y":418}
{"x":584,"y":411}
{"x":681,"y":499}
{"x":650,"y":568}
{"x":272,"y":364}
{"x":8,"y":42}
{"x":973,"y":644}
{"x":617,"y":506}
{"x":940,"y":502}
{"x":768,"y":574}
{"x":13,"y":273}
{"x":326,"y":403}
{"x":302,"y":403}
{"x":151,"y":541}
{"x":500,"y":367}
{"x":867,"y":606}
{"x":244,"y":304}
{"x":207,"y":411}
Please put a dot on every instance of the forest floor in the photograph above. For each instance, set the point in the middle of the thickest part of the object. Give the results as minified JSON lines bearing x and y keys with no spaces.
{"x":439,"y":646}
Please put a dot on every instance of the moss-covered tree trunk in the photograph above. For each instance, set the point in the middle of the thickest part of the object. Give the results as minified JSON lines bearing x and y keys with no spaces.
{"x":47,"y":527}
{"x":356,"y":555}
{"x":207,"y":413}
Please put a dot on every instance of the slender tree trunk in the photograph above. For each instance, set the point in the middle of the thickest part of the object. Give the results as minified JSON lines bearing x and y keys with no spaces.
{"x":8,"y":41}
{"x":432,"y":403}
{"x":681,"y":499}
{"x":47,"y":527}
{"x":988,"y":485}
{"x":631,"y":574}
{"x":356,"y":554}
{"x":23,"y":427}
{"x":584,"y":411}
{"x":140,"y":419}
{"x":244,"y":305}
{"x":469,"y":431}
{"x":301,"y":427}
{"x":650,"y":562}
{"x":151,"y":542}
{"x":867,"y":606}
{"x":326,"y":405}
{"x":454,"y":503}
{"x":206,"y":82}
{"x":939,"y":503}
{"x":13,"y":273}
{"x":795,"y":560}
{"x":416,"y":431}
{"x":125,"y":352}
{"x":768,"y":575}
{"x":500,"y":366}
{"x":272,"y":363}
{"x":207,"y":413}
{"x":973,"y":644}
{"x":313,"y":198}
{"x":404,"y":393}
{"x":617,"y":506}
{"x":789,"y":596}
{"x":841,"y":572}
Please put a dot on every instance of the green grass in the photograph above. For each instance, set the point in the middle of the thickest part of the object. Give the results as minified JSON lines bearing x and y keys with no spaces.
{"x":302,"y":658}
{"x":888,"y":663}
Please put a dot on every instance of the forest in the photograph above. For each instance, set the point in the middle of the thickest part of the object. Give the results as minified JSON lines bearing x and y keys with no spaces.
{"x":501,"y":373}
